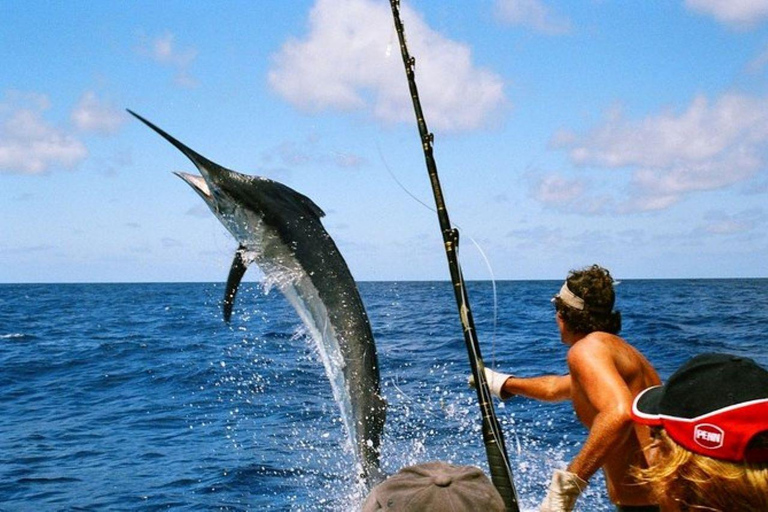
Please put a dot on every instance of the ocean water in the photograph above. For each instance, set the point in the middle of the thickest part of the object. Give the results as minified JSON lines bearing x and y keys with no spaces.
{"x":139,"y":396}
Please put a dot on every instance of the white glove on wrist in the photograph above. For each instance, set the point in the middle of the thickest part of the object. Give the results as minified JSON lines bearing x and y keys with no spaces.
{"x":563,"y":492}
{"x":495,"y":381}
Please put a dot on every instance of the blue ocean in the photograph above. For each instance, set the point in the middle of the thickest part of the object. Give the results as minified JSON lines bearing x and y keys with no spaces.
{"x":139,"y":396}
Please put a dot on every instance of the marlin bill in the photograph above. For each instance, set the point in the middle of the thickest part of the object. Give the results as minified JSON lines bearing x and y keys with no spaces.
{"x":280,"y":231}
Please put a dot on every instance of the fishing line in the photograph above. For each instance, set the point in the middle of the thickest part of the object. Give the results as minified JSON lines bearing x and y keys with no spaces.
{"x":402,"y":187}
{"x":474,"y":242}
{"x":495,"y":296}
{"x":409,"y":399}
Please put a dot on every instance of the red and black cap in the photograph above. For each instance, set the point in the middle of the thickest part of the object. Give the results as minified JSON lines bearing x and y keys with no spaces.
{"x":713,"y":405}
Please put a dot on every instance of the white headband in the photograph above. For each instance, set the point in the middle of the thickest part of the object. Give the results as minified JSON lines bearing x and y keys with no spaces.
{"x":569,"y":298}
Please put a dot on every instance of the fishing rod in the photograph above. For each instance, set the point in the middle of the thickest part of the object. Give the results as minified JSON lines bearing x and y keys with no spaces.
{"x":495,"y":449}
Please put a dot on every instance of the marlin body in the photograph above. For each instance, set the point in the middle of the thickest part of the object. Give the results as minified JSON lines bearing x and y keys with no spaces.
{"x":279,"y":229}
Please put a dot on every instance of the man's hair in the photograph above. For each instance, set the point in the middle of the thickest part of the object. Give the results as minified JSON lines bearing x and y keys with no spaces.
{"x":595,"y":286}
{"x":696,"y":482}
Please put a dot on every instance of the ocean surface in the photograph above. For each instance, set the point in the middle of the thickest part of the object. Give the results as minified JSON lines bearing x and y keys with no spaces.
{"x":139,"y":396}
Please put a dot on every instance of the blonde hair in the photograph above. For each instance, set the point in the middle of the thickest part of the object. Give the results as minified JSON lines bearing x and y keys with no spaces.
{"x":687,"y":481}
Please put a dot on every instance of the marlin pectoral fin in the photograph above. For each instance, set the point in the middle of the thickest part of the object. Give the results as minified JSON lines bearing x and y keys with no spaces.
{"x":236,"y":272}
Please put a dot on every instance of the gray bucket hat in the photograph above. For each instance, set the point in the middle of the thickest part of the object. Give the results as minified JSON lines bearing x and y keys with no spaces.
{"x":435,"y":486}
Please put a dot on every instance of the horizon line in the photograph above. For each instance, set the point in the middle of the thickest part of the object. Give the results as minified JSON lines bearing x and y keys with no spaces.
{"x":10,"y":283}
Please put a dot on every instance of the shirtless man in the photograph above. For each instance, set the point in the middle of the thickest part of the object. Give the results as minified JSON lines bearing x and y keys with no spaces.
{"x":605,"y":375}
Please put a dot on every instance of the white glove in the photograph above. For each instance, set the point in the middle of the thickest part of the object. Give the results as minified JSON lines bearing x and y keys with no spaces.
{"x":494,"y":379}
{"x":563,"y":492}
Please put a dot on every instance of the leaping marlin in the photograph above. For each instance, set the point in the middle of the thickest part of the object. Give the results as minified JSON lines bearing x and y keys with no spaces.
{"x":280,"y":230}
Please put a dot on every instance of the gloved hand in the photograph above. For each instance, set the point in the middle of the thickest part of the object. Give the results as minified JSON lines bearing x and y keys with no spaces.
{"x":563,"y":492}
{"x":495,"y":381}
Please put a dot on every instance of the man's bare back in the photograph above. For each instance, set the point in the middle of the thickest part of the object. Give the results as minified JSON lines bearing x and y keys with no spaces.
{"x":606,"y":374}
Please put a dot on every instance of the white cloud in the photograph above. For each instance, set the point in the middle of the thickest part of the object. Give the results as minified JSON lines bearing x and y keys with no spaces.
{"x":165,"y":51}
{"x":311,"y":151}
{"x":168,"y":242}
{"x":721,"y":223}
{"x":350,"y":60}
{"x":94,"y":115}
{"x":556,"y":190}
{"x":31,"y":145}
{"x":758,"y":64}
{"x":200,"y":211}
{"x":736,"y":13}
{"x":570,"y":195}
{"x":347,"y":160}
{"x":531,"y":13}
{"x":710,"y":145}
{"x":539,"y":235}
{"x":28,"y":249}
{"x":113,"y":163}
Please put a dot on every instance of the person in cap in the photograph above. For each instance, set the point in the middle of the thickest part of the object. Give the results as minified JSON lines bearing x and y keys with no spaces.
{"x":435,"y":487}
{"x":605,"y":374}
{"x":710,"y":424}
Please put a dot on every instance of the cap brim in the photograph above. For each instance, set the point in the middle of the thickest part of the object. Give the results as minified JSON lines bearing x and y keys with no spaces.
{"x":645,"y":408}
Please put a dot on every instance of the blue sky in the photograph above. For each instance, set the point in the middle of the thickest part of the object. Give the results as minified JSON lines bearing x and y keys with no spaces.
{"x":630,"y":134}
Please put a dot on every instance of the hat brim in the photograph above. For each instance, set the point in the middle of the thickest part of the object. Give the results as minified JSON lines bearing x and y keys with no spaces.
{"x":645,"y":408}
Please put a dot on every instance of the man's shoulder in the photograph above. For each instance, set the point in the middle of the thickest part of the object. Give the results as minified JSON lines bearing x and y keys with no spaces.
{"x":595,"y":345}
{"x":598,"y":340}
{"x":588,"y":347}
{"x":605,"y":337}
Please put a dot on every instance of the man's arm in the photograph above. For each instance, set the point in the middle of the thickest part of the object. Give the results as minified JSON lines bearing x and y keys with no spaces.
{"x":597,"y":380}
{"x":548,"y":388}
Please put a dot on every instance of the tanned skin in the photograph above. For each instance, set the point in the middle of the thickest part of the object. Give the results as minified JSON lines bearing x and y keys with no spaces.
{"x":605,"y":374}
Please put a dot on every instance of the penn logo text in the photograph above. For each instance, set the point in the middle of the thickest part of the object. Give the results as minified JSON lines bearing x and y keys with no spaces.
{"x":709,"y":436}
